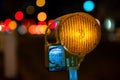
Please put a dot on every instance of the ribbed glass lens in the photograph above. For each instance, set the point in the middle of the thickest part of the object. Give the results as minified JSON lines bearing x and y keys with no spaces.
{"x":79,"y":33}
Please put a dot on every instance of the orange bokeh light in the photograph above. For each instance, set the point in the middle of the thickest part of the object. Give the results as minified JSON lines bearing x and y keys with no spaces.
{"x":40,"y":3}
{"x":32,"y":29}
{"x":41,"y":16}
{"x":43,"y":29}
{"x":12,"y":25}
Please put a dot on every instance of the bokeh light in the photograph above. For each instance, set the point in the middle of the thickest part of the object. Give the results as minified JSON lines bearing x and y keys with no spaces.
{"x":22,"y":30}
{"x":50,"y":21}
{"x":19,"y":15}
{"x":43,"y":29}
{"x":0,"y":27}
{"x":13,"y":25}
{"x":7,"y":21}
{"x":52,"y":24}
{"x":88,"y":6}
{"x":40,"y":3}
{"x":28,"y":22}
{"x":109,"y":24}
{"x":6,"y":24}
{"x":37,"y":29}
{"x":41,"y":16}
{"x":30,"y":10}
{"x":42,"y":23}
{"x":32,"y":29}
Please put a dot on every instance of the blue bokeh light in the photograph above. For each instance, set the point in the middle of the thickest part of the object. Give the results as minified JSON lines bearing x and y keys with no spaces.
{"x":88,"y":6}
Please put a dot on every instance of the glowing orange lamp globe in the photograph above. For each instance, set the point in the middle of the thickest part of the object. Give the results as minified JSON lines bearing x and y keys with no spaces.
{"x":79,"y":32}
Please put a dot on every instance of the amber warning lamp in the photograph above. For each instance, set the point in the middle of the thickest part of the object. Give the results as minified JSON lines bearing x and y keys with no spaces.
{"x":79,"y":33}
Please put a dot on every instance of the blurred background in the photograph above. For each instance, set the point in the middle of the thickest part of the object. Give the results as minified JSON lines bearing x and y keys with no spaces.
{"x":22,"y":30}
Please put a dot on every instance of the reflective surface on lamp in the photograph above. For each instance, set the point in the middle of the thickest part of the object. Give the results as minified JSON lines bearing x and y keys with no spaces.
{"x":79,"y":33}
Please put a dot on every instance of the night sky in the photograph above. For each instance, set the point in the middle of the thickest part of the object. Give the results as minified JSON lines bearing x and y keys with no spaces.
{"x":55,"y":8}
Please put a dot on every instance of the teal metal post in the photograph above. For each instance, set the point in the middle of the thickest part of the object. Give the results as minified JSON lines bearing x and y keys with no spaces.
{"x":73,"y":74}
